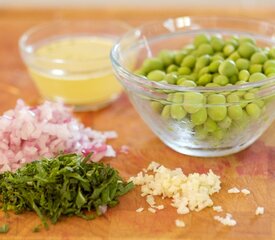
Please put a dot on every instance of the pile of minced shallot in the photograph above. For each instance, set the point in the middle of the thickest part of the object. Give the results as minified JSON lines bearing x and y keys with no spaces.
{"x":30,"y":133}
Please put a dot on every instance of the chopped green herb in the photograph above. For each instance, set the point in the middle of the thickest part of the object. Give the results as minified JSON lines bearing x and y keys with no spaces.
{"x":64,"y":185}
{"x":4,"y":228}
{"x":36,"y":228}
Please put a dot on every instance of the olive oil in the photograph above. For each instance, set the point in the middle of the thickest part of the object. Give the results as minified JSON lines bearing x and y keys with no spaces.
{"x":76,"y":70}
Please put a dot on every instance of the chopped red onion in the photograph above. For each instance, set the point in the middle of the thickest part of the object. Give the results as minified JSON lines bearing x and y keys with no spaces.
{"x":28,"y":133}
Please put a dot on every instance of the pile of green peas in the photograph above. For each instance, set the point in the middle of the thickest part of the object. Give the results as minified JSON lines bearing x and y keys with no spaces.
{"x":211,"y":61}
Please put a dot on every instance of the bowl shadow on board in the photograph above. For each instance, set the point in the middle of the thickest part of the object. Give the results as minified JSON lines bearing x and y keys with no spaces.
{"x":154,"y":146}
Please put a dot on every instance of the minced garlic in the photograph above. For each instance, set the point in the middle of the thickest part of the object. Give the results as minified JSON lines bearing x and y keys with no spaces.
{"x":259,"y":211}
{"x":140,"y":209}
{"x":233,"y":190}
{"x":227,"y":220}
{"x":217,"y":208}
{"x":245,"y":191}
{"x":179,"y":223}
{"x":188,"y":192}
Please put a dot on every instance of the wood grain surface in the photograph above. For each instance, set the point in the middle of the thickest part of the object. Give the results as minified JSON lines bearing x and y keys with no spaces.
{"x":253,"y":168}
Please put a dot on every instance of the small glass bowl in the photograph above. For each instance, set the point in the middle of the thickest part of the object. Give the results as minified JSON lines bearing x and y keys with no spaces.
{"x":82,"y":78}
{"x":150,"y":98}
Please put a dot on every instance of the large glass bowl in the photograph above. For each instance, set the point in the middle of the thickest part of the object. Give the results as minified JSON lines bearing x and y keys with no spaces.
{"x":149,"y":97}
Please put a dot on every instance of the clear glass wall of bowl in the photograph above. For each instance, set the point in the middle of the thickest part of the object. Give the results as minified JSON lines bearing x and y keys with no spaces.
{"x":150,"y":98}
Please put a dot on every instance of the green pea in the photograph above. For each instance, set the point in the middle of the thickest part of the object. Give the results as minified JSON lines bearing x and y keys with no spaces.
{"x":244,"y":39}
{"x":232,"y":42}
{"x":235,"y":38}
{"x":269,"y":70}
{"x":253,"y":110}
{"x":202,"y":61}
{"x":243,"y":121}
{"x":166,"y":112}
{"x":218,"y":134}
{"x":200,"y":39}
{"x":179,"y":56}
{"x":156,"y":106}
{"x":249,"y":96}
{"x":272,"y":53}
{"x":212,"y":85}
{"x":233,"y":98}
{"x":217,"y":43}
{"x":217,"y":58}
{"x":203,"y":71}
{"x":221,"y":80}
{"x":204,"y":79}
{"x":235,"y":112}
{"x":256,"y":77}
{"x":167,"y":57}
{"x":140,"y":72}
{"x":181,"y":80}
{"x":199,"y":117}
{"x":200,"y":133}
{"x":214,"y":66}
{"x":163,"y":81}
{"x":258,"y":58}
{"x":240,"y":93}
{"x":177,"y":97}
{"x":234,"y":56}
{"x":172,"y":68}
{"x":260,"y":103}
{"x":188,"y":83}
{"x":189,"y":48}
{"x":240,"y":82}
{"x":204,"y":49}
{"x":265,"y":50}
{"x":228,"y":68}
{"x":156,"y":75}
{"x":170,"y":97}
{"x":246,"y":49}
{"x":243,"y":104}
{"x":216,"y":99}
{"x":193,"y":101}
{"x":255,"y":68}
{"x":244,"y":75}
{"x":210,"y":125}
{"x":216,"y":113}
{"x":228,"y":50}
{"x":193,"y":76}
{"x":151,"y":64}
{"x":215,"y":74}
{"x":253,"y":90}
{"x":233,"y":79}
{"x":242,"y":64}
{"x":271,"y":75}
{"x":195,"y":53}
{"x":189,"y":61}
{"x":269,"y":64}
{"x":184,"y":70}
{"x":225,"y":123}
{"x":177,"y":112}
{"x":218,"y":54}
{"x":171,"y":78}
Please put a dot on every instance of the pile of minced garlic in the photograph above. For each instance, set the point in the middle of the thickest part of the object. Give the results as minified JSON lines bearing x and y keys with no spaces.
{"x":188,"y":192}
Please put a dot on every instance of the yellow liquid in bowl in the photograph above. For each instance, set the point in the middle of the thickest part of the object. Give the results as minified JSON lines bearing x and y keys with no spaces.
{"x":80,"y":74}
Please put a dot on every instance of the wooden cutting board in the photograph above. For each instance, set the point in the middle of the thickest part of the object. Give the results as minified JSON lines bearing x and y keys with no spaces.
{"x":253,"y":168}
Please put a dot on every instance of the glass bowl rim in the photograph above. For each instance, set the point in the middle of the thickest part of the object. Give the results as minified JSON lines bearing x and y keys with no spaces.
{"x":23,"y":46}
{"x":139,"y":80}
